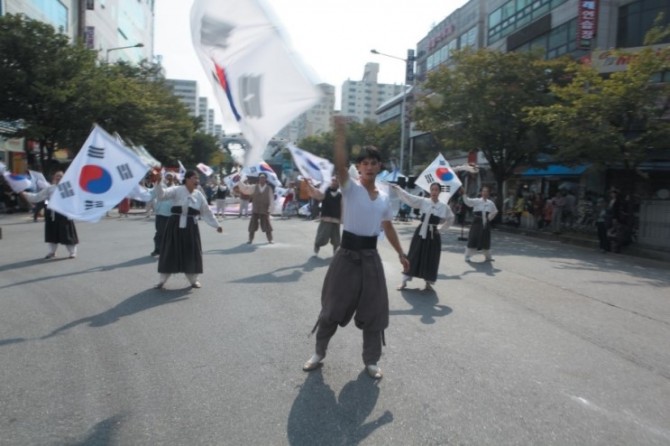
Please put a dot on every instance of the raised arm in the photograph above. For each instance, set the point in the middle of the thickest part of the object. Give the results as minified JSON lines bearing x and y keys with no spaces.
{"x":314,"y":192}
{"x":340,"y":155}
{"x":407,"y":198}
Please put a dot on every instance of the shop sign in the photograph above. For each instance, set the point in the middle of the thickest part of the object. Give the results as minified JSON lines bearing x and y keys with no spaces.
{"x":587,"y":23}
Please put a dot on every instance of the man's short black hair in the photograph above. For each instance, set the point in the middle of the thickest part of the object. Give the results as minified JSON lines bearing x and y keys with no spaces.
{"x":369,"y":152}
{"x":262,"y":175}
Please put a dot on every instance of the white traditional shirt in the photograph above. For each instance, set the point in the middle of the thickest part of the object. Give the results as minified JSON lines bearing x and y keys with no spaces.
{"x":429,"y":207}
{"x":181,"y":197}
{"x":486,"y":207}
{"x":362,"y":215}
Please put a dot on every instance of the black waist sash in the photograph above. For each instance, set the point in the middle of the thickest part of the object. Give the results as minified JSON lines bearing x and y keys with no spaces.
{"x":176,"y":210}
{"x":357,"y":242}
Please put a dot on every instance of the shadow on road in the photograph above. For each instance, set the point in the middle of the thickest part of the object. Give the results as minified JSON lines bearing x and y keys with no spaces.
{"x":424,"y":303}
{"x":103,"y":433}
{"x":144,"y":300}
{"x":482,"y":267}
{"x":296,"y":271}
{"x":126,"y":264}
{"x":317,"y":417}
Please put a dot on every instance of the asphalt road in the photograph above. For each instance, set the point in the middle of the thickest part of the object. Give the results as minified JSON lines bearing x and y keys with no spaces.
{"x":549,"y":345}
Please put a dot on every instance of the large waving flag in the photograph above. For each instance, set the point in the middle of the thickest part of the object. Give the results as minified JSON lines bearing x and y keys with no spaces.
{"x":311,"y":166}
{"x":257,"y":80}
{"x":38,"y":180}
{"x":18,"y":183}
{"x":101,"y":175}
{"x":439,"y":171}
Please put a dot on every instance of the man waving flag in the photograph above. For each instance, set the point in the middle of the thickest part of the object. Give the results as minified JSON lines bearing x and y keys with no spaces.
{"x":257,"y":81}
{"x":101,"y":175}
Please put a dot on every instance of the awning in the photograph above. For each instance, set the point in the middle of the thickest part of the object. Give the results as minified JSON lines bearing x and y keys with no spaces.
{"x":556,"y":170}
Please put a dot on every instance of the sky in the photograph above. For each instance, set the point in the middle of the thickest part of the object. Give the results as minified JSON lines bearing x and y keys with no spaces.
{"x":332,"y":38}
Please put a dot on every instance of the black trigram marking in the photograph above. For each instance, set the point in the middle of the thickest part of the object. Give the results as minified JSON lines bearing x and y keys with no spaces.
{"x":250,"y":96}
{"x":124,"y":171}
{"x":253,"y":170}
{"x":445,"y":187}
{"x":429,"y":178}
{"x":65,"y":189}
{"x":90,"y":204}
{"x":96,"y":152}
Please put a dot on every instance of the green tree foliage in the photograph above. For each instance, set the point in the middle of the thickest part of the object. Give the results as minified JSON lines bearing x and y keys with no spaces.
{"x":385,"y":137}
{"x":204,"y":147}
{"x":39,"y":76}
{"x":610,"y":120}
{"x":479,"y":103}
{"x":56,"y":90}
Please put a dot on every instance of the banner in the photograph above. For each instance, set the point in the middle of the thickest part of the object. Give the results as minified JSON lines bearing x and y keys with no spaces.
{"x":439,"y":171}
{"x":320,"y":170}
{"x":101,"y":175}
{"x":257,"y":80}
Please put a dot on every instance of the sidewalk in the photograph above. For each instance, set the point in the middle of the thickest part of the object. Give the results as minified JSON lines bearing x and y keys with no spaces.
{"x":587,"y":241}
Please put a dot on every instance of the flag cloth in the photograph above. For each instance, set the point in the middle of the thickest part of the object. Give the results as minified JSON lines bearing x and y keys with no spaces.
{"x":439,"y":171}
{"x":257,"y":80}
{"x":3,"y":168}
{"x":262,"y":167}
{"x":18,"y":183}
{"x":100,"y":176}
{"x":311,"y":166}
{"x":182,"y":172}
{"x":205,"y":169}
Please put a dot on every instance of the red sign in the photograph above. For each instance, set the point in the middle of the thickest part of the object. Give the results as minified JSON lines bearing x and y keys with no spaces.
{"x":587,"y":23}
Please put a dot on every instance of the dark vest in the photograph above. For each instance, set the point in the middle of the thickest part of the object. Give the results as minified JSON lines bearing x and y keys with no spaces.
{"x":331,"y":206}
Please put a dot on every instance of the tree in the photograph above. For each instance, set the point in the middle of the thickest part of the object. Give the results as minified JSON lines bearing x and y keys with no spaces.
{"x":39,"y":75}
{"x":612,"y":120}
{"x":479,"y":103}
{"x":203,"y":149}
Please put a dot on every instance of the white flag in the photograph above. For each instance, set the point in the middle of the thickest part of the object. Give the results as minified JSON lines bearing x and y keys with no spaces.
{"x":263,"y":167}
{"x":258,"y":82}
{"x":205,"y":169}
{"x":440,"y":172}
{"x":18,"y":183}
{"x":182,"y":172}
{"x":311,"y":166}
{"x":101,"y":175}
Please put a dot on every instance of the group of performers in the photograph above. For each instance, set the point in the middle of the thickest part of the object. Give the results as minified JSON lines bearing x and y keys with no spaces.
{"x":355,"y":285}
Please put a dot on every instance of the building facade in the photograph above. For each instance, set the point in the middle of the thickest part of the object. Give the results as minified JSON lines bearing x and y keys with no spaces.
{"x":360,"y":99}
{"x":187,"y":92}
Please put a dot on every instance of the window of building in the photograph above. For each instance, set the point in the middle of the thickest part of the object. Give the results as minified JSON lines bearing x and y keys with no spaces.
{"x":55,"y":12}
{"x":469,"y":38}
{"x":90,"y":5}
{"x":557,"y":42}
{"x":515,"y":14}
{"x":636,"y":19}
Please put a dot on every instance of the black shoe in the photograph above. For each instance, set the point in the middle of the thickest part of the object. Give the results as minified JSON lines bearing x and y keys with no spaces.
{"x":154,"y":254}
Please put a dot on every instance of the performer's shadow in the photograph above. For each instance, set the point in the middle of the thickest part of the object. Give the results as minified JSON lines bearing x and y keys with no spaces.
{"x":279,"y":276}
{"x":134,"y":304}
{"x":482,"y":267}
{"x":425,"y":304}
{"x":317,"y":417}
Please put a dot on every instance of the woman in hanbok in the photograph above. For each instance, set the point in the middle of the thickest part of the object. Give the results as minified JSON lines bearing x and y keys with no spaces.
{"x":479,"y":237}
{"x":58,"y":229}
{"x":426,"y":246}
{"x":181,"y":249}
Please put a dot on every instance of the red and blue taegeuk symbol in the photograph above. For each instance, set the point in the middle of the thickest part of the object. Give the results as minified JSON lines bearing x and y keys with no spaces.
{"x":265,"y":167}
{"x":444,"y":173}
{"x":94,"y":179}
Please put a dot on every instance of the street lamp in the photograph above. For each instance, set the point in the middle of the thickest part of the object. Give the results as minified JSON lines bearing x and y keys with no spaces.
{"x":109,"y":50}
{"x":403,"y":106}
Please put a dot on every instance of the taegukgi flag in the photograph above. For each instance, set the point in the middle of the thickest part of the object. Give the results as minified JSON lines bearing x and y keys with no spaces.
{"x":17,"y":182}
{"x":439,"y":171}
{"x":311,"y":166}
{"x":262,"y":167}
{"x":101,"y":175}
{"x":205,"y":169}
{"x":257,"y":80}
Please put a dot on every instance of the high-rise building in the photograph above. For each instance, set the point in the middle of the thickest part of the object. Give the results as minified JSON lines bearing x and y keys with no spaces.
{"x":63,"y":15}
{"x":187,"y":92}
{"x":360,"y":99}
{"x":202,"y":113}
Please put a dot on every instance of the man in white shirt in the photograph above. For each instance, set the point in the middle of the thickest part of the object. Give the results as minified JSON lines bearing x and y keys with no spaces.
{"x":355,"y":285}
